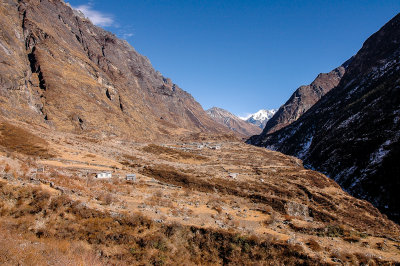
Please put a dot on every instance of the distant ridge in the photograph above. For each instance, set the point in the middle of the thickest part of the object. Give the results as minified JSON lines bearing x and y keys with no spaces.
{"x":304,"y":98}
{"x":232,"y":122}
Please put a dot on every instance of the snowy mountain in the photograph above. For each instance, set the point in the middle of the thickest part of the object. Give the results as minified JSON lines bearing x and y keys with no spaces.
{"x":260,"y":118}
{"x":232,"y":122}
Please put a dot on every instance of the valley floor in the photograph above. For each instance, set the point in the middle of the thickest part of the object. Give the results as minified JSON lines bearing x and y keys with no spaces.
{"x":193,"y":202}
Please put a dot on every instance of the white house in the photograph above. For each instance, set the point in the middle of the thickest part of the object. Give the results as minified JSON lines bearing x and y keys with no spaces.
{"x":233,"y":175}
{"x":131,"y":177}
{"x":103,"y":175}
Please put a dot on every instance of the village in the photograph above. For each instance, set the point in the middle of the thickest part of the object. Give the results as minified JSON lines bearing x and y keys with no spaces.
{"x":117,"y":172}
{"x":96,"y":171}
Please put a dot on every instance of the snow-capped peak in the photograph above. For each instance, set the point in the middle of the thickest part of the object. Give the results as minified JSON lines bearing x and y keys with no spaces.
{"x":260,"y":118}
{"x":263,"y":114}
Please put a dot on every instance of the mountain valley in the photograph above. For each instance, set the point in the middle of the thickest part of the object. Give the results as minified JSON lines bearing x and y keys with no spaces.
{"x":104,"y":161}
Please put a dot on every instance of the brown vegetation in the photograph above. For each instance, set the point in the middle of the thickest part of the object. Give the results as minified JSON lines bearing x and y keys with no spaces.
{"x":314,"y":245}
{"x":16,"y":139}
{"x":134,"y":238}
{"x":278,"y":201}
{"x":173,"y":153}
{"x":27,"y":249}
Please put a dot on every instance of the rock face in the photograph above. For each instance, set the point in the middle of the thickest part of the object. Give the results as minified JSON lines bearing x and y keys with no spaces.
{"x":261,"y":118}
{"x":59,"y":70}
{"x":232,"y":122}
{"x":353,"y":133}
{"x":304,"y":98}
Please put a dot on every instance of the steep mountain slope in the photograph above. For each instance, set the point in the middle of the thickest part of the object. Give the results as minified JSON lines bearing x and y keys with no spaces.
{"x":232,"y":121}
{"x":57,"y":69}
{"x":352,"y":134}
{"x":261,"y":117}
{"x":303,"y":98}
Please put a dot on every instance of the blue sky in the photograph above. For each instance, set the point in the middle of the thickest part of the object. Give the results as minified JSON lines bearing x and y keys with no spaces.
{"x":242,"y":55}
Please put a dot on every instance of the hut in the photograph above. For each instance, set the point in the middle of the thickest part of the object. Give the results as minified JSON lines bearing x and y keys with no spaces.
{"x":131,"y":177}
{"x":103,"y":175}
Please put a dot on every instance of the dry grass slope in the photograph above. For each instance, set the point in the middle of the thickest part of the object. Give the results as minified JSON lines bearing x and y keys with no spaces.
{"x":16,"y":139}
{"x":125,"y":238}
{"x":173,"y":153}
{"x":181,"y":210}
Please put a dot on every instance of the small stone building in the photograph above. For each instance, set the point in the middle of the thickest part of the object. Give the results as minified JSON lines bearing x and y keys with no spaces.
{"x":131,"y":177}
{"x":104,"y":175}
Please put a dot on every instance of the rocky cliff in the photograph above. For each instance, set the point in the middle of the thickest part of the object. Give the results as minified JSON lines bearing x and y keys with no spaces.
{"x":59,"y":70}
{"x":233,"y":122}
{"x":304,"y":98}
{"x":353,"y":133}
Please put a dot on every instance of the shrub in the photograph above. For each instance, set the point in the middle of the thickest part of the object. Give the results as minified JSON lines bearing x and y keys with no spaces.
{"x":352,"y":238}
{"x":288,"y":217}
{"x":381,"y":245}
{"x":58,"y":202}
{"x":7,"y":168}
{"x":218,"y":209}
{"x":105,"y":198}
{"x":271,"y":219}
{"x":333,"y":231}
{"x":314,"y":245}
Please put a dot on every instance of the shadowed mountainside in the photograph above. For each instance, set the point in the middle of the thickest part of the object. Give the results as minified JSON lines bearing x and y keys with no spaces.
{"x":352,"y":133}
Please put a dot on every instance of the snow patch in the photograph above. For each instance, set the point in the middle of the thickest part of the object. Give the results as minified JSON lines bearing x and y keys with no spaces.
{"x":349,"y":120}
{"x":397,"y":116}
{"x":380,"y":71}
{"x":305,"y":147}
{"x":344,"y":174}
{"x":377,"y":156}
